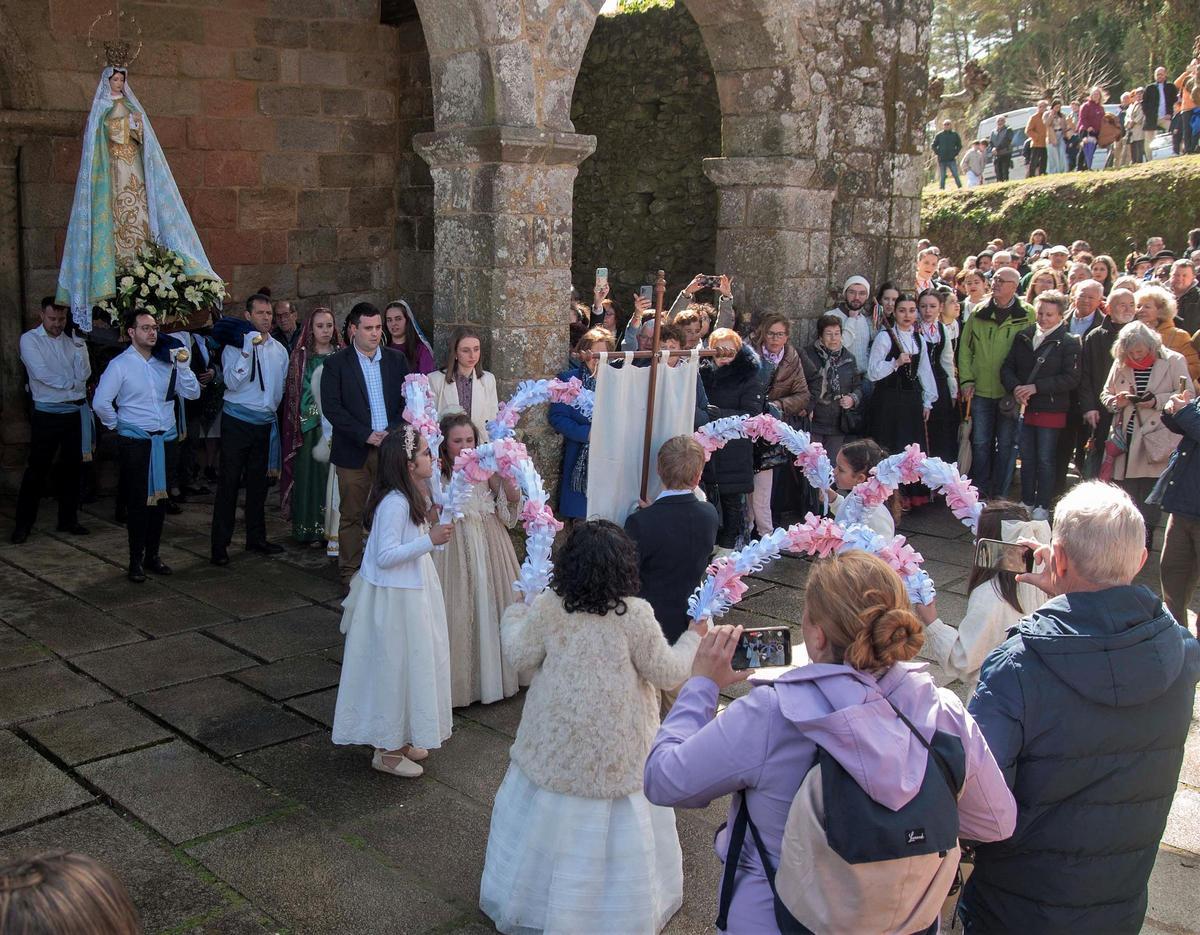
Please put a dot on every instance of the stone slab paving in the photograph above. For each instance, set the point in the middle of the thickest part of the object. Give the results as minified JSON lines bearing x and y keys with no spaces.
{"x":179,"y":731}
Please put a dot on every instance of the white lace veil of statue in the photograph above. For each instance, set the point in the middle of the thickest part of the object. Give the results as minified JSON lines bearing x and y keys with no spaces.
{"x":170,"y":224}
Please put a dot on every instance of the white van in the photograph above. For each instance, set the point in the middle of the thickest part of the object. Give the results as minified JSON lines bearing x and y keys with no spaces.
{"x":1017,"y":120}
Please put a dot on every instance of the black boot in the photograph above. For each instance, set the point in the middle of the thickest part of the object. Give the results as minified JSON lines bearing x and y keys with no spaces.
{"x":156,"y":565}
{"x":136,"y":573}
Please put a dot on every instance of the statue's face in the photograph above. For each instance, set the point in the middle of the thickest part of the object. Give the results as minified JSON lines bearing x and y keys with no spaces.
{"x":116,"y":82}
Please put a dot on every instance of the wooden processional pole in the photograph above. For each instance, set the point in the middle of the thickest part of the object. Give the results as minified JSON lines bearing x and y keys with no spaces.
{"x":660,"y":290}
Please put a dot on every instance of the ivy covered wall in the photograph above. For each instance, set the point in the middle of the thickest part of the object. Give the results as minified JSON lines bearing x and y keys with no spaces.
{"x":642,"y":203}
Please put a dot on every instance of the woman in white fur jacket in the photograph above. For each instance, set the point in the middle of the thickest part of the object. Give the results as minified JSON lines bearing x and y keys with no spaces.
{"x":574,"y":845}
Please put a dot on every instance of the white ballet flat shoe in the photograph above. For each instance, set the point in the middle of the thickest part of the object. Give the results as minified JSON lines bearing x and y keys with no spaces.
{"x":400,"y":765}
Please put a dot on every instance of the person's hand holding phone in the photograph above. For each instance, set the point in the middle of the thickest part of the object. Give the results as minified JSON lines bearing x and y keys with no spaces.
{"x":695,"y":285}
{"x":1042,"y":576}
{"x":714,"y":658}
{"x":1178,"y":401}
{"x":1146,"y":401}
{"x":600,"y":293}
{"x":725,"y":286}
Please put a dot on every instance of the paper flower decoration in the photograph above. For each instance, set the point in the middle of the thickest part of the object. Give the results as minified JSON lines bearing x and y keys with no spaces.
{"x":912,"y":466}
{"x":810,"y":456}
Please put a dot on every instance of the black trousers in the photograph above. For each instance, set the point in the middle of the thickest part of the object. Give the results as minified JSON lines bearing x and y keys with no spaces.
{"x":144,"y":523}
{"x":49,"y":434}
{"x":1071,"y":446}
{"x":1003,"y":165}
{"x":244,"y":447}
{"x":1037,"y":161}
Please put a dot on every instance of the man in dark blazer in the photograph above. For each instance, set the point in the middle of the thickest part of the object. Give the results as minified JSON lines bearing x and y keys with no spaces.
{"x":362,"y":394}
{"x":675,"y":535}
{"x":1158,"y":102}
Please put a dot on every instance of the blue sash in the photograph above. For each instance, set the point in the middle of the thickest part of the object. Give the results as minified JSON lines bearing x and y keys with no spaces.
{"x":156,"y":488}
{"x":87,"y":428}
{"x":259,"y":417}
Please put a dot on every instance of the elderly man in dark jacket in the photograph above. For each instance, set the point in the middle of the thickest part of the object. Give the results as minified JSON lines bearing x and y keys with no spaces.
{"x":1178,"y":493}
{"x":1086,"y":708}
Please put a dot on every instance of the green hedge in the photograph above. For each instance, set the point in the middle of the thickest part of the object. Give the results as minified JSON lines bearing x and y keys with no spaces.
{"x":1103,"y":208}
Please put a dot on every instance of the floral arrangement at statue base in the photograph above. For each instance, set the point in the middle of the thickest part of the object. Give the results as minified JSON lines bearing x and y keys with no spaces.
{"x":509,"y":458}
{"x":156,"y":281}
{"x":810,"y":456}
{"x":817,"y":536}
{"x":535,"y":392}
{"x":913,"y":466}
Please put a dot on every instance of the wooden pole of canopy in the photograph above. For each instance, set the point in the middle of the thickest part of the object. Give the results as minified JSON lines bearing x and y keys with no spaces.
{"x":660,"y":291}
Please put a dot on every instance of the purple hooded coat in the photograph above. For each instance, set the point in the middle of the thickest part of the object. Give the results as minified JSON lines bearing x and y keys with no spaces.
{"x":764,"y":744}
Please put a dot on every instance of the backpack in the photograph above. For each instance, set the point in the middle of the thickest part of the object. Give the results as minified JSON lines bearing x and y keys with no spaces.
{"x":851,"y":865}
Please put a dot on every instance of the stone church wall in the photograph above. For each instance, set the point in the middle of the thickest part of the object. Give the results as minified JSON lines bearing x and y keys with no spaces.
{"x":646,"y":91}
{"x":280,"y":120}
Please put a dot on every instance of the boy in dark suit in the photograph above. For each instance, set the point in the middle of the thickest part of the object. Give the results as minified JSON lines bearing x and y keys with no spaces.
{"x":675,"y":535}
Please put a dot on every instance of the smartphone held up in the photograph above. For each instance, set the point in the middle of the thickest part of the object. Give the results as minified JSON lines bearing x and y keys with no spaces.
{"x":1003,"y":556}
{"x":762,"y":648}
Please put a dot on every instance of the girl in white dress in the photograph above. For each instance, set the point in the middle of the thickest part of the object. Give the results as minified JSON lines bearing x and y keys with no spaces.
{"x":477,"y":570}
{"x":394,"y":692}
{"x":851,"y":468}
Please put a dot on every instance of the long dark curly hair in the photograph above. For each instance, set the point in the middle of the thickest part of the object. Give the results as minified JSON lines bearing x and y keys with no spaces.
{"x":596,"y":568}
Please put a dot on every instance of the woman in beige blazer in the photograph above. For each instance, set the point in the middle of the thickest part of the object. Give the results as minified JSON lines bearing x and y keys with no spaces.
{"x":463,"y":385}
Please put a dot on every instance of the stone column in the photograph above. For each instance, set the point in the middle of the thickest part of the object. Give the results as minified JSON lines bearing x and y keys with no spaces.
{"x":15,"y":433}
{"x":502,"y":251}
{"x":773,"y":223}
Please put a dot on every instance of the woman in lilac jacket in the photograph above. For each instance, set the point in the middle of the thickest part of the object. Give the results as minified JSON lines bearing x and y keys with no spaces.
{"x":859,"y":632}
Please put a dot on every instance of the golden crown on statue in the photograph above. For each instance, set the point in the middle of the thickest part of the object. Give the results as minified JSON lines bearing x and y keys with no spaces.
{"x":119,"y":54}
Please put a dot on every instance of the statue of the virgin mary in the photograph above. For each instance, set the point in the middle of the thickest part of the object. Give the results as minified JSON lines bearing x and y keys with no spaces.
{"x":125,"y":196}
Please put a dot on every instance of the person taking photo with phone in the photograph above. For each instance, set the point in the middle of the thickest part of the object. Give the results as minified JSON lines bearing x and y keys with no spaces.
{"x":995,"y":603}
{"x":858,"y":716}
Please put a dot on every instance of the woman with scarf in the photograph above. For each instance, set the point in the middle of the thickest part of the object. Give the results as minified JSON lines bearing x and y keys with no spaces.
{"x":787,"y":398}
{"x":303,"y":479}
{"x":402,"y":333}
{"x":833,"y":382}
{"x":1042,"y":372}
{"x":576,"y":428}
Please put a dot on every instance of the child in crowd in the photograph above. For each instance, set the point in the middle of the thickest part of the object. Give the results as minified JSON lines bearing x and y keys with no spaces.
{"x":394,"y":691}
{"x":574,"y":846}
{"x":852,"y":467}
{"x":675,"y":535}
{"x":477,"y":570}
{"x":63,"y":893}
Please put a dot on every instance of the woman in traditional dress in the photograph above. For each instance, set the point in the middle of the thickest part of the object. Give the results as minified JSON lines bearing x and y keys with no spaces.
{"x":402,"y":333}
{"x":905,"y":390}
{"x":303,"y":479}
{"x":477,"y":570}
{"x":125,"y":198}
{"x":940,"y":339}
{"x":463,"y":385}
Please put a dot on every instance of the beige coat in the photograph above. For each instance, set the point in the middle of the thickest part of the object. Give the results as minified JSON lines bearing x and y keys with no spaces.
{"x":1149,"y":434}
{"x":592,"y":708}
{"x":484,"y":401}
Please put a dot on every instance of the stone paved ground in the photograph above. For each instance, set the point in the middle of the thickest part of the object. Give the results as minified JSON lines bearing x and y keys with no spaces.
{"x":179,"y":731}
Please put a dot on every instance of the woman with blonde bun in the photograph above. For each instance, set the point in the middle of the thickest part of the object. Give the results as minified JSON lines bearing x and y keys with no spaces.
{"x":860,"y":703}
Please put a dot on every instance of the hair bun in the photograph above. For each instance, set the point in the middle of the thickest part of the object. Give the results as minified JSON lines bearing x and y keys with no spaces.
{"x":888,"y":635}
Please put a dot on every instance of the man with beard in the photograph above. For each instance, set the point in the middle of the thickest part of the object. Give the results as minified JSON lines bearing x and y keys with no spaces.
{"x":857,"y":324}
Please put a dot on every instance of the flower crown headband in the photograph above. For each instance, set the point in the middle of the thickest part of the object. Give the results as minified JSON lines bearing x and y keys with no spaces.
{"x":410,"y":442}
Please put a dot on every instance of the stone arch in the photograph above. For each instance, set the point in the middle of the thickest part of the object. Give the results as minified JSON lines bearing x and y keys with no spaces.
{"x":801,"y":194}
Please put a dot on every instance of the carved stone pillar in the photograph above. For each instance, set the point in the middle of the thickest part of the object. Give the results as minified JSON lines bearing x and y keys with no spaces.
{"x":502,"y":251}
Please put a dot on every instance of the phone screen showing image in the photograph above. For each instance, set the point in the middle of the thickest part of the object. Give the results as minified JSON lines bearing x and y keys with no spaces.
{"x":762,"y":648}
{"x":647,"y":293}
{"x":1003,"y":556}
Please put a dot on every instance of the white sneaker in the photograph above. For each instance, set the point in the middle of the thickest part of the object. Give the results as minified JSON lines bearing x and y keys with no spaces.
{"x":1040,"y":513}
{"x":399,"y":765}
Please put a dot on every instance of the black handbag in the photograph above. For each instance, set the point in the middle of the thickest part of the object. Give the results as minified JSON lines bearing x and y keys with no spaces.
{"x":852,"y":421}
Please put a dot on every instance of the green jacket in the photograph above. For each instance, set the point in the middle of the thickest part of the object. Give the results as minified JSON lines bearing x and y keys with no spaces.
{"x":985,"y":344}
{"x":947,"y":145}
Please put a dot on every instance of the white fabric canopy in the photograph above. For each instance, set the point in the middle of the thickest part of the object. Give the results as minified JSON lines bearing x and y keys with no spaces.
{"x":619,"y":426}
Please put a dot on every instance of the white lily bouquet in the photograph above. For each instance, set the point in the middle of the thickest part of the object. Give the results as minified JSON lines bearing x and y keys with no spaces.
{"x":157,"y":281}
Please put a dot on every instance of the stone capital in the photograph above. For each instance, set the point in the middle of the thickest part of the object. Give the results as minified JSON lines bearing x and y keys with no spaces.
{"x":495,"y":144}
{"x":775,"y":171}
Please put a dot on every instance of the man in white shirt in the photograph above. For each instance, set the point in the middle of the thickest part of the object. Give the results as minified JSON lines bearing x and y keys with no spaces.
{"x":254,"y":375}
{"x":137,"y":397}
{"x":58,"y":368}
